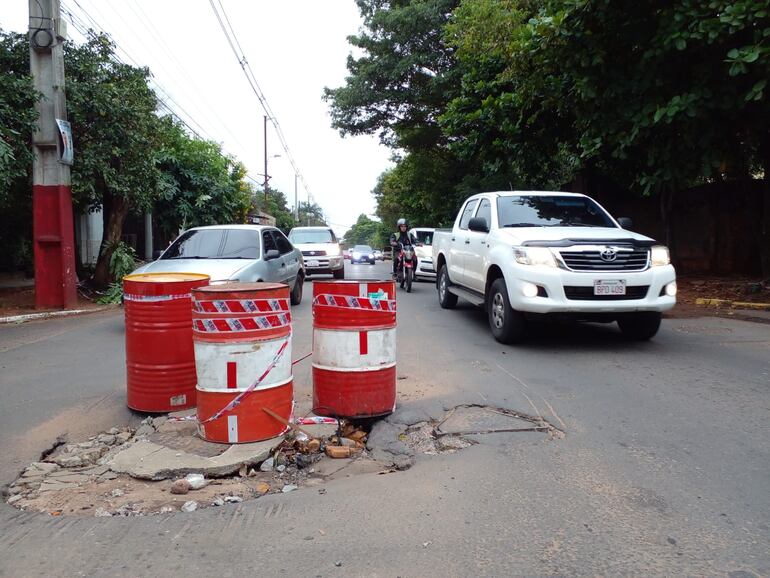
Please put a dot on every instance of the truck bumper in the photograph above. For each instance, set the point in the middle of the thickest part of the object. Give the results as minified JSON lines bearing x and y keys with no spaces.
{"x":562,"y":291}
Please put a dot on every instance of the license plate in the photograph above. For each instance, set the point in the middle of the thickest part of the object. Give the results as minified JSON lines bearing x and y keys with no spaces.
{"x":312,"y":263}
{"x":610,"y":287}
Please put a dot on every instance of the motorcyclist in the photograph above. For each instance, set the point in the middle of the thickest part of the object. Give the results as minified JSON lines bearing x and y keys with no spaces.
{"x":401,"y":237}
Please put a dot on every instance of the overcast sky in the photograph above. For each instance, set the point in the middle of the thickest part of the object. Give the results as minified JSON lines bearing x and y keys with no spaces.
{"x":294,"y":47}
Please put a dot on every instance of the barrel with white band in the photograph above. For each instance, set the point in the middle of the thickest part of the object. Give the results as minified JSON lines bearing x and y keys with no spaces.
{"x":160,"y":363}
{"x":242,"y":339}
{"x":354,"y":348}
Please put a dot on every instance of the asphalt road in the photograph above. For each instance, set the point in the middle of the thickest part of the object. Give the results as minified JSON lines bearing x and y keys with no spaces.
{"x":664,"y":468}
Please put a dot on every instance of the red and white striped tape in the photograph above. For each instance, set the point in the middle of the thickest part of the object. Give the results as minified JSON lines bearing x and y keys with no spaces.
{"x":241,"y":306}
{"x":235,"y":324}
{"x":152,"y":298}
{"x":348,"y":302}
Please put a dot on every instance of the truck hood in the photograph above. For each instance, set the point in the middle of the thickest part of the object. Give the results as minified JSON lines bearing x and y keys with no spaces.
{"x":331,"y":249}
{"x":519,"y":235}
{"x":217,"y":269}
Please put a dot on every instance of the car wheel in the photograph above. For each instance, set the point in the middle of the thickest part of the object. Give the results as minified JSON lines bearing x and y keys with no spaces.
{"x":640,"y":326}
{"x":296,"y":293}
{"x":446,"y":299}
{"x":507,"y":324}
{"x":339,"y":273}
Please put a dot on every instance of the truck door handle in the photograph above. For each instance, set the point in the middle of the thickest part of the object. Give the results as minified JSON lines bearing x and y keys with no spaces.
{"x":467,"y":241}
{"x":453,"y":238}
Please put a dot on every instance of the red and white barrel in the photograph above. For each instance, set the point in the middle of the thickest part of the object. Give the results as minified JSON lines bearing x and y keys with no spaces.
{"x":354,"y":348}
{"x":160,"y":363}
{"x":242,"y":339}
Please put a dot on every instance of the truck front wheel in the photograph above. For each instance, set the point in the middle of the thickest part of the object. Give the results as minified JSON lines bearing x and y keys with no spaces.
{"x":507,"y":325}
{"x":640,"y":326}
{"x":446,"y":299}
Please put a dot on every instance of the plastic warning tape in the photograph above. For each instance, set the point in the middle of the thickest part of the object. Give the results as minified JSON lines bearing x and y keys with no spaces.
{"x":233,"y":324}
{"x":237,"y":400}
{"x":240,"y":305}
{"x":349,"y":302}
{"x":150,"y":298}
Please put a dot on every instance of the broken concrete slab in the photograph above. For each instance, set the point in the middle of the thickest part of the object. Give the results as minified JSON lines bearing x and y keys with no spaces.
{"x":477,"y":419}
{"x":150,"y":461}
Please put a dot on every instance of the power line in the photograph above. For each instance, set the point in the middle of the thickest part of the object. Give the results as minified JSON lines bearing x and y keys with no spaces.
{"x":252,"y":80}
{"x":92,"y":26}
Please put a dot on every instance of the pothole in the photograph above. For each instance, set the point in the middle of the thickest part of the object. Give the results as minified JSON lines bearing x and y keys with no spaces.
{"x":449,"y":434}
{"x":164,"y":467}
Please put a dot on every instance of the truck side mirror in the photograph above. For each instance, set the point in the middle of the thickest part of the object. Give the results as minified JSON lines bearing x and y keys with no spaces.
{"x":478,"y":224}
{"x":625,"y":223}
{"x":272,"y":254}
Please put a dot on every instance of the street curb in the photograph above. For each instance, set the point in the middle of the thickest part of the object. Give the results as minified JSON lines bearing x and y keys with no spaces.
{"x":733,"y":304}
{"x":48,"y":315}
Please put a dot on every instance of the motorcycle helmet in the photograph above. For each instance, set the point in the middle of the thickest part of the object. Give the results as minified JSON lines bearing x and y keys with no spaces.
{"x":401,"y":222}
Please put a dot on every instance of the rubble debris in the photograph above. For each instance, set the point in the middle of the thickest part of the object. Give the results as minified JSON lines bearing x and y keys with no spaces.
{"x":190,"y":506}
{"x":180,"y":487}
{"x":288,"y":488}
{"x":117,"y":492}
{"x":262,"y":488}
{"x":267,"y":465}
{"x":196,"y":481}
{"x":233,"y":499}
{"x":218,"y":501}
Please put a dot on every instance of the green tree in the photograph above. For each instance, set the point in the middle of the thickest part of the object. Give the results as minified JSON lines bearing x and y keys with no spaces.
{"x":365,"y":231}
{"x":660,"y":96}
{"x":116,"y":134}
{"x":198,"y":184}
{"x":17,"y":122}
{"x":310,"y":215}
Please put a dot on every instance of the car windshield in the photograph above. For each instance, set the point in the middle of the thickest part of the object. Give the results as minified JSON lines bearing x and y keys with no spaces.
{"x":215,"y":244}
{"x":306,"y":236}
{"x":424,"y":237}
{"x":362,"y":249}
{"x":550,"y":211}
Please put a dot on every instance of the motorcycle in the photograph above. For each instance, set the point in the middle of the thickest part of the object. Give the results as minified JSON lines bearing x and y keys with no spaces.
{"x":405,"y":271}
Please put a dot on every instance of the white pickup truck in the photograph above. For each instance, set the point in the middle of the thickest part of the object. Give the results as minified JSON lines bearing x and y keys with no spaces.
{"x":527,"y":253}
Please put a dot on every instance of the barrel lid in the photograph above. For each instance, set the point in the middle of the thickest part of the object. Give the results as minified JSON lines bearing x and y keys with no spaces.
{"x":165,"y":277}
{"x":236,"y":286}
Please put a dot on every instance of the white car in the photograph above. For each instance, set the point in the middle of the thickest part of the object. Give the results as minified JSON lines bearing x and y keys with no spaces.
{"x":531,"y":253}
{"x":320,"y":250}
{"x":422,"y":237}
{"x":244,"y":253}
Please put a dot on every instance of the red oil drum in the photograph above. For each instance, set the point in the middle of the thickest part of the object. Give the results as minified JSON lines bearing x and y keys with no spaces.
{"x":242,"y":341}
{"x":354,"y":348}
{"x":160,"y":362}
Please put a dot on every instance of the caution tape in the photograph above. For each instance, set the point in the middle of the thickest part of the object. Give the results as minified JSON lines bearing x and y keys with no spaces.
{"x":241,"y":305}
{"x":237,"y":400}
{"x":236,"y":324}
{"x":349,"y":302}
{"x":152,"y":298}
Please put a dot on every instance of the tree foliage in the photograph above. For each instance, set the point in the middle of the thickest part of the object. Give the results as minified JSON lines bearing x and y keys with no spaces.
{"x":365,"y":231}
{"x":198,"y":184}
{"x":657,"y":96}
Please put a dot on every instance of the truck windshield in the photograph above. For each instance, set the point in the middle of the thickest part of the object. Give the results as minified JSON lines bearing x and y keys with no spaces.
{"x":215,"y":244}
{"x":550,"y":211}
{"x":424,"y":237}
{"x":300,"y":236}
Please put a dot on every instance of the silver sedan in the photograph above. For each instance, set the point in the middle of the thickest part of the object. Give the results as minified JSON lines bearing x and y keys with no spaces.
{"x":245,"y":253}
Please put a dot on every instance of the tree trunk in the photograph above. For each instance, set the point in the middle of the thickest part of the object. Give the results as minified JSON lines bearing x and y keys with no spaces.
{"x":116,"y":209}
{"x":764,"y":236}
{"x":666,"y":206}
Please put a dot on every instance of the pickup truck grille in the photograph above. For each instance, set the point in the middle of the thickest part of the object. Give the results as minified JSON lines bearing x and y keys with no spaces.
{"x":313,"y":253}
{"x":626,"y":259}
{"x":587,"y":294}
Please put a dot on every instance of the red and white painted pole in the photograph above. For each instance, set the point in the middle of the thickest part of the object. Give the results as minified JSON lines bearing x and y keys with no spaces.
{"x":53,"y":230}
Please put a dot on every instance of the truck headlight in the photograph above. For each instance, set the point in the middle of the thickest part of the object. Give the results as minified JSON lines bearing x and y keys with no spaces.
{"x":659,"y":256}
{"x":534,"y":256}
{"x":333,"y":251}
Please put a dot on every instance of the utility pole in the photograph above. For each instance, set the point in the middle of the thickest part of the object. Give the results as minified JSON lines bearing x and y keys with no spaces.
{"x":266,"y":177}
{"x":296,"y":206}
{"x":53,"y":229}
